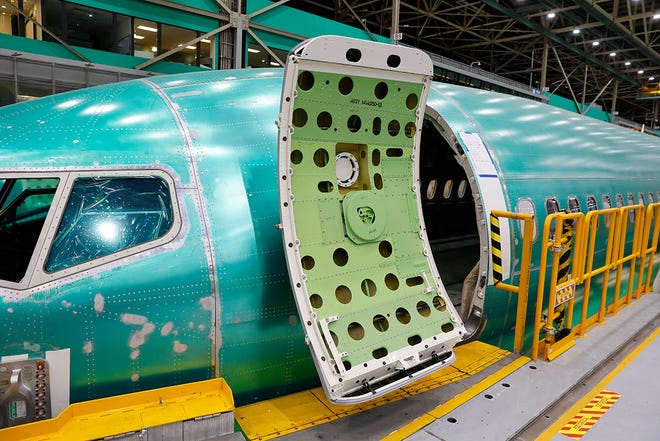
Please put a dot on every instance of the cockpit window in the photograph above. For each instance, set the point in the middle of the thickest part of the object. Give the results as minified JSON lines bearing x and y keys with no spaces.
{"x":106,"y":215}
{"x":25,"y":204}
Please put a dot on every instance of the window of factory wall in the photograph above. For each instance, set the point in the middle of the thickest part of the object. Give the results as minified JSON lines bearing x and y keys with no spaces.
{"x":258,"y":57}
{"x":14,"y":23}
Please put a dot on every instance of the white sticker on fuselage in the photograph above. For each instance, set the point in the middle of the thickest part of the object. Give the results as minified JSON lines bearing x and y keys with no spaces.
{"x":482,"y":161}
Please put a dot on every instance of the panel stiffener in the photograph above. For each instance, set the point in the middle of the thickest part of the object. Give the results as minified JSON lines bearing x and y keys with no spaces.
{"x":374,"y":310}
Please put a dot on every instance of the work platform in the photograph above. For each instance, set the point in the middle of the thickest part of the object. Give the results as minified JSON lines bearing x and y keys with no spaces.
{"x":512,"y":398}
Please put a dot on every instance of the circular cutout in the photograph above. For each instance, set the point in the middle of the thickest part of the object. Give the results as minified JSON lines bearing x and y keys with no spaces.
{"x":299,"y":117}
{"x":345,"y":85}
{"x":307,"y":262}
{"x":403,"y":316}
{"x":393,"y":128}
{"x":452,"y":420}
{"x":354,"y":123}
{"x":324,"y":120}
{"x":356,"y":331}
{"x":353,"y":55}
{"x":316,"y":301}
{"x":393,"y":60}
{"x":347,"y":169}
{"x":411,"y":101}
{"x":381,"y":90}
{"x":462,"y":188}
{"x":385,"y":249}
{"x":423,"y":308}
{"x":446,"y":191}
{"x":392,"y":282}
{"x":321,"y":157}
{"x":306,"y":80}
{"x":378,"y":181}
{"x":375,"y":156}
{"x":380,"y":323}
{"x":368,"y":287}
{"x":447,"y":327}
{"x":410,"y":129}
{"x":296,"y":157}
{"x":376,"y":126}
{"x":439,"y":303}
{"x":340,"y":257}
{"x":343,"y":294}
{"x":335,"y":339}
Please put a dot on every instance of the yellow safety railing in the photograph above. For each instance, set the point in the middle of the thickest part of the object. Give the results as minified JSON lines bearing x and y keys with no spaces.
{"x":619,"y":254}
{"x":522,"y":290}
{"x":649,"y":248}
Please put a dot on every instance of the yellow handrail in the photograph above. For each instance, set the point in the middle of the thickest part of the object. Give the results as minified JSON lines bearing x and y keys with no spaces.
{"x":619,"y":258}
{"x":522,"y":290}
{"x":652,"y":214}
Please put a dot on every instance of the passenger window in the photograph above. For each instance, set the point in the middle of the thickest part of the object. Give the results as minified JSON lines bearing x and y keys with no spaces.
{"x":607,"y":203}
{"x":25,"y":204}
{"x":592,"y":205}
{"x":640,"y":198}
{"x":526,"y":205}
{"x":446,"y":192}
{"x":619,"y":201}
{"x":573,"y":204}
{"x":551,"y":206}
{"x":431,"y":189}
{"x":106,"y":215}
{"x":631,"y":213}
{"x":462,"y":187}
{"x":651,"y":198}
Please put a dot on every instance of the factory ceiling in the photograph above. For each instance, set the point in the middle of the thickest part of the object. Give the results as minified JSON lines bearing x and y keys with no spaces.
{"x":595,"y":49}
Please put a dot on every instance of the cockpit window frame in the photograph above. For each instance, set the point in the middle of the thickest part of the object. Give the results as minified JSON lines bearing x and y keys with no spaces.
{"x":36,"y":274}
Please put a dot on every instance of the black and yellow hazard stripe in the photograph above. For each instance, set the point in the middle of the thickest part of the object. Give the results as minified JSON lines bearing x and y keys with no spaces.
{"x":496,"y":248}
{"x":567,"y":231}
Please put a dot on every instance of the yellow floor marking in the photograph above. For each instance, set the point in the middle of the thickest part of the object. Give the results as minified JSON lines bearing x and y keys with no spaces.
{"x":563,"y":420}
{"x":107,"y":417}
{"x":585,"y":419}
{"x":458,"y":400}
{"x":280,"y":416}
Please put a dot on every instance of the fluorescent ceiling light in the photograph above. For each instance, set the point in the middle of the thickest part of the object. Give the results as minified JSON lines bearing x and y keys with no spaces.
{"x":147,"y":28}
{"x":204,"y":40}
{"x":138,"y":37}
{"x":640,"y":71}
{"x":627,"y":63}
{"x":612,"y":54}
{"x":551,"y":15}
{"x":274,"y":63}
{"x":595,"y":43}
{"x":651,"y":78}
{"x":154,"y":49}
{"x":576,"y":31}
{"x":191,"y":47}
{"x":656,"y":16}
{"x":253,"y":51}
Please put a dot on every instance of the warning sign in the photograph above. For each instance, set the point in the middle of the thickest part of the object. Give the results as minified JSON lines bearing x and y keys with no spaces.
{"x":17,"y":409}
{"x":585,"y":419}
{"x":565,"y":293}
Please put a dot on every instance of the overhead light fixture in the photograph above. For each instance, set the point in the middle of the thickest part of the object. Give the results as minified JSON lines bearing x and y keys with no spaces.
{"x":253,"y":51}
{"x":551,"y":15}
{"x":576,"y":31}
{"x":651,"y":78}
{"x":138,"y":37}
{"x":612,"y":54}
{"x":191,"y":47}
{"x":656,"y":16}
{"x":154,"y":49}
{"x":627,"y":63}
{"x":207,"y":41}
{"x":640,"y":72}
{"x":275,"y":63}
{"x":147,"y":28}
{"x":595,"y":43}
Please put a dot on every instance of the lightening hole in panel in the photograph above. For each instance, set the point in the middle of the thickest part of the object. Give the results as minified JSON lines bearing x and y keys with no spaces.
{"x":393,"y":60}
{"x":411,"y":101}
{"x":299,"y":117}
{"x":394,"y":152}
{"x":347,"y":365}
{"x":354,"y":123}
{"x":447,"y":327}
{"x":296,"y":157}
{"x":423,"y":309}
{"x":340,"y":257}
{"x":325,"y":187}
{"x":316,"y":300}
{"x":380,"y":323}
{"x":393,"y":128}
{"x":307,"y":262}
{"x":345,"y":85}
{"x":414,"y":281}
{"x":439,"y":303}
{"x":335,"y":339}
{"x":375,"y":156}
{"x":353,"y":55}
{"x":379,"y":353}
{"x":385,"y":249}
{"x":306,"y":80}
{"x":378,"y":181}
{"x":414,"y":340}
{"x":356,"y":331}
{"x":392,"y":281}
{"x":410,"y":129}
{"x":324,"y":120}
{"x":381,"y":90}
{"x":368,"y":287}
{"x":376,"y":127}
{"x":343,"y":294}
{"x":321,"y":157}
{"x":403,"y":316}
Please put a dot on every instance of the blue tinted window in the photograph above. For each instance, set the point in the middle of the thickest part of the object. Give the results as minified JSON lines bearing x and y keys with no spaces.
{"x":106,"y":215}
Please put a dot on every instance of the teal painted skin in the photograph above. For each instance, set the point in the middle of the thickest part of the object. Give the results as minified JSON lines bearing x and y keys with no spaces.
{"x":215,"y":299}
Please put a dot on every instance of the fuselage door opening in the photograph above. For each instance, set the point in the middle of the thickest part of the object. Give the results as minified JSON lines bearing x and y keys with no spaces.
{"x":375,"y":312}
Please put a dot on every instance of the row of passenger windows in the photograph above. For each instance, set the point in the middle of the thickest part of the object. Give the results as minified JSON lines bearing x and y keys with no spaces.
{"x":447,"y":189}
{"x":102,"y":216}
{"x":552,"y":205}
